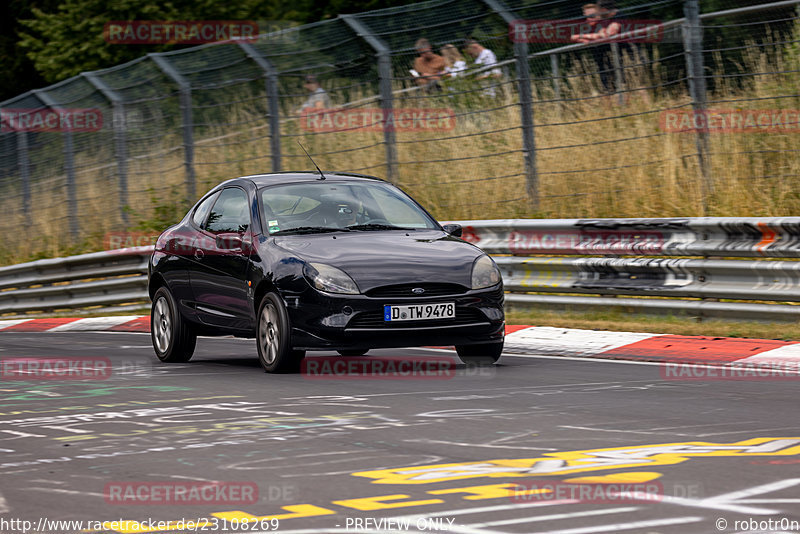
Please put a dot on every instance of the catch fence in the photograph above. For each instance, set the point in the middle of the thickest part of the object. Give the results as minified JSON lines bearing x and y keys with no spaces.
{"x":562,"y":130}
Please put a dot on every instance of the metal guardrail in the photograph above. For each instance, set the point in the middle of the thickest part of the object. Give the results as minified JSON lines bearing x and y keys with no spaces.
{"x":655,"y":261}
{"x":97,"y":279}
{"x":674,"y":265}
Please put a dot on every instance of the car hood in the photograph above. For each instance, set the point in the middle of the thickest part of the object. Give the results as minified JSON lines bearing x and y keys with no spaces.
{"x":380,"y":258}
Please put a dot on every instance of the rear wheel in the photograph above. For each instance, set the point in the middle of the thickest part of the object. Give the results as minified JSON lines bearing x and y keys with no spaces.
{"x":481,"y":354}
{"x":273,"y":337}
{"x":173,"y":340}
{"x":352,"y":352}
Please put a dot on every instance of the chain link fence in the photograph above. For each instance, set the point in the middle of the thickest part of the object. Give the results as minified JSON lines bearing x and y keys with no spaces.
{"x":552,"y":129}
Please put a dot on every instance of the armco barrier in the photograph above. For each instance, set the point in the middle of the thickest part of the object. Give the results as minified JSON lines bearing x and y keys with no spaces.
{"x":676,"y":265}
{"x":87,"y":280}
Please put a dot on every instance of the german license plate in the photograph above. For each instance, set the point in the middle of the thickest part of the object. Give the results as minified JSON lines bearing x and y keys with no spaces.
{"x":419,"y":312}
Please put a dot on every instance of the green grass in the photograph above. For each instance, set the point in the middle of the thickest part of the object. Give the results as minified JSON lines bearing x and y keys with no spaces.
{"x":624,"y":322}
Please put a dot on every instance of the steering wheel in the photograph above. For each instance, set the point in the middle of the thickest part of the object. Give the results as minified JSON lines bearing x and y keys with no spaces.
{"x":378,"y":221}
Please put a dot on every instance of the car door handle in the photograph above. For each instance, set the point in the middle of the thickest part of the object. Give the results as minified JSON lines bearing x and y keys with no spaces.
{"x":198,"y":254}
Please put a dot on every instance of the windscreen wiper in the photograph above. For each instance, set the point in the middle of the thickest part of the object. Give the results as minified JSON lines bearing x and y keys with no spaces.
{"x":374,"y":226}
{"x":309,"y":230}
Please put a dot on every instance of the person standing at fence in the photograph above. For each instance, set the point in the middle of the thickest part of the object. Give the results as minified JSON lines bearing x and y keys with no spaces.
{"x":454,"y":61}
{"x":591,"y":15}
{"x":428,"y":67}
{"x":606,"y":28}
{"x":318,"y":99}
{"x":484,"y":58}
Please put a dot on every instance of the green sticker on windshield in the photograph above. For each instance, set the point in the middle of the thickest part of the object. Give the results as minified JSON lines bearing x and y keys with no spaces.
{"x":273,"y":226}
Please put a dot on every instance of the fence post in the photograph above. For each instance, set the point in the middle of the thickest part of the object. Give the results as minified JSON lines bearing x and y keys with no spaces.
{"x":24,"y":162}
{"x":693,"y":51}
{"x":69,"y":167}
{"x":120,"y":139}
{"x":619,"y":79}
{"x":186,"y":120}
{"x":385,"y":89}
{"x":526,"y":106}
{"x":271,"y":77}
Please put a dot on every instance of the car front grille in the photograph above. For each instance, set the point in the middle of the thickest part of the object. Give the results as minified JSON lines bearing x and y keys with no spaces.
{"x":375,"y":320}
{"x":407,"y":290}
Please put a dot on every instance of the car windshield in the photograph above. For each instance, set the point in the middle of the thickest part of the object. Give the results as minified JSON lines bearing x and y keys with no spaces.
{"x":328,"y":206}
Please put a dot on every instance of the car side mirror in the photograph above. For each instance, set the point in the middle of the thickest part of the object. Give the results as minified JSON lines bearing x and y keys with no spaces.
{"x":229,"y":241}
{"x":453,"y":229}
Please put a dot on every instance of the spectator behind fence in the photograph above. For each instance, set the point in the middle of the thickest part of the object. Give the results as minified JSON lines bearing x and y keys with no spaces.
{"x":318,"y":99}
{"x":454,"y":61}
{"x":592,"y":15}
{"x":605,"y":24}
{"x":484,"y":58}
{"x":428,"y":67}
{"x":606,"y":27}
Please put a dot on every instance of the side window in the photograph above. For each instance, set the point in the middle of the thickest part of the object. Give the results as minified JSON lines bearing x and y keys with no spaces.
{"x":230,"y":212}
{"x":202,"y":210}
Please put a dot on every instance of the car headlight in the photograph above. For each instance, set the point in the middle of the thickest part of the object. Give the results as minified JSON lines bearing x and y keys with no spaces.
{"x":327,"y":278}
{"x":484,"y":273}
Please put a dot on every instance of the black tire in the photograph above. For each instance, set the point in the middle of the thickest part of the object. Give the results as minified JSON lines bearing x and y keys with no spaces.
{"x":172,"y":338}
{"x":481,"y":354}
{"x":274,"y":337}
{"x":359,"y":352}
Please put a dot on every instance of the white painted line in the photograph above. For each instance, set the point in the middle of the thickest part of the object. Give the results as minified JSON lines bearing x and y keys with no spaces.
{"x":4,"y":505}
{"x":11,"y":322}
{"x":553,"y":517}
{"x":627,"y":526}
{"x":483,"y":509}
{"x":94,"y":323}
{"x":65,"y":491}
{"x":466,"y":529}
{"x":332,"y":531}
{"x":689,"y":365}
{"x":769,"y":501}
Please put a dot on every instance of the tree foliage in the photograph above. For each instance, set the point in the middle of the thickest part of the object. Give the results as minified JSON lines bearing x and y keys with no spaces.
{"x":45,"y":41}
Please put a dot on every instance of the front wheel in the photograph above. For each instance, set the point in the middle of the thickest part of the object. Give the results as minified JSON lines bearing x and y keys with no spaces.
{"x":482,"y":354}
{"x":274,"y":337}
{"x":173,"y":340}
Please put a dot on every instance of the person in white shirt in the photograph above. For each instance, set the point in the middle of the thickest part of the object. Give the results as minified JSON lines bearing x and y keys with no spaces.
{"x":485,"y":58}
{"x":453,"y":60}
{"x":318,"y":99}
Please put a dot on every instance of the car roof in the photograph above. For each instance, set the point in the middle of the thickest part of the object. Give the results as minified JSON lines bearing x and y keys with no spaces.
{"x":275,"y":178}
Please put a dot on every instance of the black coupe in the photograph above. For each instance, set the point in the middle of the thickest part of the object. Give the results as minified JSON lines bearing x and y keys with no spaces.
{"x":306,"y":261}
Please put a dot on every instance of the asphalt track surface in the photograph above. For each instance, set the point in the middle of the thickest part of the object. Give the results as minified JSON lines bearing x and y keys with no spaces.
{"x":471,"y":451}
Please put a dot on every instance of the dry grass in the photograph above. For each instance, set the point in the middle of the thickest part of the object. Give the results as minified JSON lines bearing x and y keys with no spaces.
{"x":595,"y":158}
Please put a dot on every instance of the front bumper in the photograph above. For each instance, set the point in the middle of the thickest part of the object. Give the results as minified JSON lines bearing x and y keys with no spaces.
{"x":323,"y":321}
